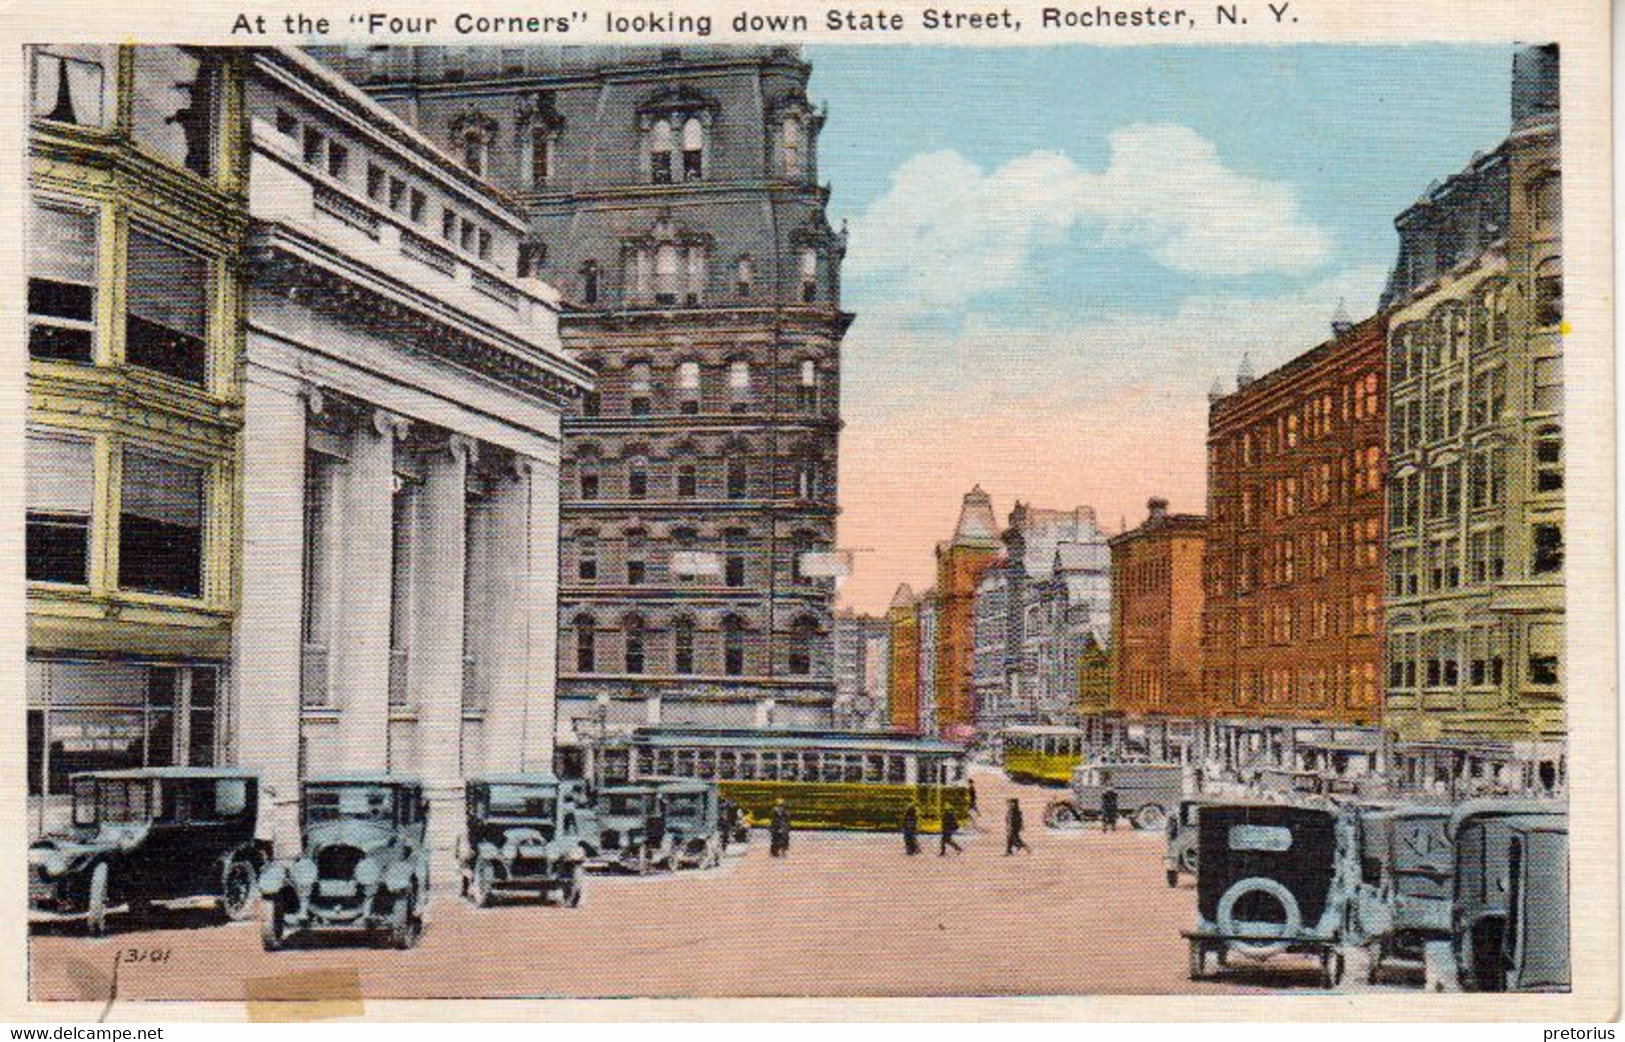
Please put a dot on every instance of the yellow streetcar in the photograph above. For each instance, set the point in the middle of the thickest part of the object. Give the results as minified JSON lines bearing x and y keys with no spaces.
{"x":1045,"y":755}
{"x":861,"y":780}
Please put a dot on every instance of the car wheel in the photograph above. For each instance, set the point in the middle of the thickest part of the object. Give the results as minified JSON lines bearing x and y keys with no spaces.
{"x":96,"y":902}
{"x":405,"y":925}
{"x":238,"y":889}
{"x":273,"y":926}
{"x":482,"y":883}
{"x":1061,"y":815}
{"x":1331,"y":969}
{"x":1150,"y":817}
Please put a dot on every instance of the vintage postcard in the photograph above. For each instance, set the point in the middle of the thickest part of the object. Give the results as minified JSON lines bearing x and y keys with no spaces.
{"x":782,"y":511}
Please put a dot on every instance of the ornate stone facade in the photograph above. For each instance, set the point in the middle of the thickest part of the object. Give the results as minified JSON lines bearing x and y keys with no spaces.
{"x":673,"y":197}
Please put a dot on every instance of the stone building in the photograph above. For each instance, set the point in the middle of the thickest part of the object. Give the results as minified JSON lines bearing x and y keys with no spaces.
{"x":672,"y":194}
{"x":403,"y":401}
{"x":961,"y":562}
{"x":930,"y":620}
{"x":137,"y":219}
{"x":1476,"y":485}
{"x":1292,"y":625}
{"x":1156,"y":644}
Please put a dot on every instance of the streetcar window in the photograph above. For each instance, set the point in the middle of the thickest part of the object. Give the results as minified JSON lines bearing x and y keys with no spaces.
{"x":854,"y":768}
{"x":727,"y":767}
{"x":874,"y":768}
{"x":834,"y":766}
{"x":809,"y":766}
{"x":747,"y":766}
{"x":770,"y":766}
{"x":646,"y":761}
{"x":707,"y":763}
{"x":663,"y":761}
{"x":789,"y":767}
{"x":896,"y":772}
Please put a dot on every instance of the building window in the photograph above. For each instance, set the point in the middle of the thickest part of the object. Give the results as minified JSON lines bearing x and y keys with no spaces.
{"x":802,"y":632}
{"x":687,"y":481}
{"x":1546,"y":203}
{"x":70,"y":84}
{"x":416,"y":205}
{"x":62,"y":261}
{"x":532,"y":256}
{"x":807,"y":386}
{"x":632,"y":627}
{"x":1545,"y":654}
{"x":1548,"y":297}
{"x":667,"y":260}
{"x":733,"y":567}
{"x":586,"y":641}
{"x":174,"y":113}
{"x":161,"y":525}
{"x":660,"y":152}
{"x":744,"y":277}
{"x":1548,"y":391}
{"x":738,"y":479}
{"x":588,"y":478}
{"x":639,"y":386}
{"x":166,"y":301}
{"x":589,"y":282}
{"x":693,"y":149}
{"x":683,"y":646}
{"x":61,"y":480}
{"x":448,"y":226}
{"x":1547,"y":540}
{"x":688,"y":387}
{"x":733,"y":646}
{"x":792,"y":148}
{"x":1549,"y":459}
{"x":809,"y":274}
{"x":376,"y":181}
{"x":587,"y":557}
{"x":637,"y":477}
{"x":540,"y":156}
{"x":739,"y":385}
{"x":806,"y":479}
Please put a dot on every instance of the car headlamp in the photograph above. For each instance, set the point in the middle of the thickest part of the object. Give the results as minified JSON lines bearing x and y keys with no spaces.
{"x":366,"y":873}
{"x":304,"y":873}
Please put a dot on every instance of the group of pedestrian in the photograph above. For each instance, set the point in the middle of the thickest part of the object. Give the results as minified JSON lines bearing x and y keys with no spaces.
{"x":947,"y":837}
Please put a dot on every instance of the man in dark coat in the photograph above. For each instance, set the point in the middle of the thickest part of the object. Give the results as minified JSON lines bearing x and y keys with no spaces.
{"x":654,"y":828}
{"x":1108,"y":810}
{"x":911,"y":829}
{"x":950,"y":825}
{"x":1013,"y":823}
{"x":970,"y":787}
{"x":727,"y":820}
{"x":780,"y":830}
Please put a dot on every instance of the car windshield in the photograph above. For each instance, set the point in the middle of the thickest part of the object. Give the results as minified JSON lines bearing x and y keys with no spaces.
{"x":520,"y":801}
{"x":623,"y":803}
{"x":684,"y":807}
{"x":355,"y":802}
{"x":106,"y":801}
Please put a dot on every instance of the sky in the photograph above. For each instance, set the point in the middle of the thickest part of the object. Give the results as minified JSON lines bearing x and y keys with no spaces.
{"x":1055,"y":251}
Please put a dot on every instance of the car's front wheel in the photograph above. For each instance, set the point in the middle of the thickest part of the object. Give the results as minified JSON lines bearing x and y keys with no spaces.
{"x":238,"y":889}
{"x":482,"y":883}
{"x":406,"y":927}
{"x":96,"y":902}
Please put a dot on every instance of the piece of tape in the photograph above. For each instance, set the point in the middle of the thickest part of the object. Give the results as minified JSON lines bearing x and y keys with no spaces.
{"x":309,"y":995}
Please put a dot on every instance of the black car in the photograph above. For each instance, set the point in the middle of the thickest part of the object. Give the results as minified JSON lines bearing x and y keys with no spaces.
{"x":152,"y":835}
{"x":1273,"y":879}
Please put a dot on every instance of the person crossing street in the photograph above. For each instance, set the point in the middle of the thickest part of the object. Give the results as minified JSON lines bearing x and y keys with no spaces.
{"x":1013,"y":823}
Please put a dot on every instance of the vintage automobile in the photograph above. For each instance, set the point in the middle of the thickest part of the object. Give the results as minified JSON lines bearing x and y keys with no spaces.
{"x":1272,"y":880}
{"x":623,"y":815}
{"x":1511,"y":921}
{"x":693,"y":823}
{"x":1401,"y":912}
{"x":1181,"y":856}
{"x":1146,"y":793}
{"x":364,"y":866}
{"x":157,"y":834}
{"x":527,"y":833}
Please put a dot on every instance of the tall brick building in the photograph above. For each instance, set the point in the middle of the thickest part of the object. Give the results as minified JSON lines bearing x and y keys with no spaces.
{"x":903,"y":661}
{"x":961,"y":561}
{"x":1293,"y":579}
{"x":673,"y":198}
{"x":1156,"y":642}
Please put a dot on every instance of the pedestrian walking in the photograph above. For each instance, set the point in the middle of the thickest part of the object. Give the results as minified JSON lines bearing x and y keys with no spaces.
{"x":780,"y":831}
{"x":1013,"y":823}
{"x":950,"y":825}
{"x":654,"y":831}
{"x":1108,"y":810}
{"x":911,"y":829}
{"x":727,"y":819}
{"x":970,"y":786}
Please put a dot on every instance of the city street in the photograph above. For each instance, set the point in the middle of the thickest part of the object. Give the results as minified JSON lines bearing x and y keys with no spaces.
{"x":845,"y":914}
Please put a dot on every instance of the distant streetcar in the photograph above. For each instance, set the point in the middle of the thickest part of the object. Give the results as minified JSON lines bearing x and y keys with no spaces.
{"x":1046,"y":755}
{"x":827,"y":779}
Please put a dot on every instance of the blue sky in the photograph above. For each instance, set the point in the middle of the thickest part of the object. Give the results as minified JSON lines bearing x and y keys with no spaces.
{"x":1061,"y":248}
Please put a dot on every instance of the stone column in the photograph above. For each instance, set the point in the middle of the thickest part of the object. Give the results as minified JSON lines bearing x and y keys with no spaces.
{"x":360,"y":654}
{"x":436,"y":672}
{"x":267,"y":639}
{"x":518,"y":649}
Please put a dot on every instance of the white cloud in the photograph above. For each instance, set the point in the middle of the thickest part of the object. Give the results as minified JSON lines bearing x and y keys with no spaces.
{"x":947,"y":229}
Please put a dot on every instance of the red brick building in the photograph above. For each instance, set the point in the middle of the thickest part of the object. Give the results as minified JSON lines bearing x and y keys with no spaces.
{"x":960,"y":564}
{"x":1157,"y":615}
{"x":1294,"y":572}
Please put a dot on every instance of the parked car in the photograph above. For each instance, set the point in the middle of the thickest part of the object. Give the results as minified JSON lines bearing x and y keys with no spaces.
{"x":1272,"y":880}
{"x":1511,"y":921}
{"x":1182,"y":855}
{"x":1402,"y":904}
{"x":623,"y":816}
{"x":693,"y":822}
{"x":527,"y":833}
{"x":364,"y":866}
{"x":1146,"y":793}
{"x":151,"y":835}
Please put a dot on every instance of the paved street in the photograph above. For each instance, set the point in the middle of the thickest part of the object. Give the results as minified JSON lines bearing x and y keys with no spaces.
{"x":845,"y":914}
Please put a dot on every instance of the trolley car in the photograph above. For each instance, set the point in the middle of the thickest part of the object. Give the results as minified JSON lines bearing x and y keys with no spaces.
{"x":827,"y":779}
{"x":1045,"y":755}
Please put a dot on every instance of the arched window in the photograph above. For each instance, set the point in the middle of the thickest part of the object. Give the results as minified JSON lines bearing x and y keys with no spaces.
{"x":802,"y":633}
{"x":666,"y":272}
{"x":587,"y":476}
{"x":739,"y":384}
{"x":637,"y":477}
{"x":733,"y":646}
{"x":586,"y":544}
{"x":807,"y":385}
{"x":792,"y":141}
{"x":809,"y":274}
{"x":585,"y":628}
{"x":1549,"y":292}
{"x":640,"y":385}
{"x":632,"y":629}
{"x":688,"y":387}
{"x":695,"y":265}
{"x":1549,"y":459}
{"x":682,"y":632}
{"x":693,"y":149}
{"x":744,"y":276}
{"x":660,"y":152}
